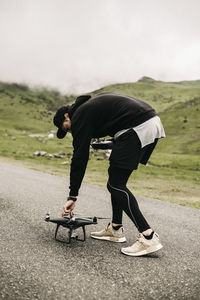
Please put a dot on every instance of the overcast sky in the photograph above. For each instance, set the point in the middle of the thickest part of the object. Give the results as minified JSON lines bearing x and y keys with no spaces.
{"x":81,"y":45}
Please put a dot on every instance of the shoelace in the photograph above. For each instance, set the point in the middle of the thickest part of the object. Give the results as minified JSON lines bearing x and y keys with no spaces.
{"x":139,"y":239}
{"x":106,"y":229}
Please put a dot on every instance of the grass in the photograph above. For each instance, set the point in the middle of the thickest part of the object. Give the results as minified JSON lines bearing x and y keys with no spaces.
{"x":161,"y":95}
{"x":173,"y":173}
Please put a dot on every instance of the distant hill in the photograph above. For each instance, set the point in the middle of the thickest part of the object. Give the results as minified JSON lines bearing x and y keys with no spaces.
{"x":25,"y":108}
{"x":159,"y":94}
{"x":51,"y":98}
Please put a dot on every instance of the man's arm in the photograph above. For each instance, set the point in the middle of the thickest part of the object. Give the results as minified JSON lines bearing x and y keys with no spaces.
{"x":82,"y":126}
{"x":81,"y":144}
{"x":82,"y":135}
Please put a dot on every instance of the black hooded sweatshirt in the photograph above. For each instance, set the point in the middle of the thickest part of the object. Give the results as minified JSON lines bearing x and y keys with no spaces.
{"x":101,"y":115}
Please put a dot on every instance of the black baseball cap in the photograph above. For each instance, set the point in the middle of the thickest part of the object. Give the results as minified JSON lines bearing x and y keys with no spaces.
{"x":59,"y":117}
{"x":58,"y":120}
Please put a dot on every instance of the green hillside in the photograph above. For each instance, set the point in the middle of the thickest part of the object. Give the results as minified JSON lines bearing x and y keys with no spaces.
{"x":159,"y":94}
{"x":23,"y":108}
{"x":173,"y":172}
{"x":178,"y":105}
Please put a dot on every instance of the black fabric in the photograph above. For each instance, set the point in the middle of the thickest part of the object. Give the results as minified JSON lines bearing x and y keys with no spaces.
{"x":102,"y":115}
{"x":117,"y":227}
{"x":79,"y":101}
{"x":123,"y":200}
{"x":149,"y":237}
{"x":59,"y":119}
{"x":147,"y":151}
{"x":59,"y":116}
{"x":127,"y":152}
{"x":61,"y":133}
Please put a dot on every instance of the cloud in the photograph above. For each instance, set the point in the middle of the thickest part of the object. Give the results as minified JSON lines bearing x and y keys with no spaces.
{"x":78,"y":46}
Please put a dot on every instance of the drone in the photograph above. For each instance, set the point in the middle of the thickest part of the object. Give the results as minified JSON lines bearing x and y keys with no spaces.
{"x":72,"y":223}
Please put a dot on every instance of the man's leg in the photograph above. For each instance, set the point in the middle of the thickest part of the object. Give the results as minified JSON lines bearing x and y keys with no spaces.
{"x":123,"y":200}
{"x":127,"y":154}
{"x":114,"y":231}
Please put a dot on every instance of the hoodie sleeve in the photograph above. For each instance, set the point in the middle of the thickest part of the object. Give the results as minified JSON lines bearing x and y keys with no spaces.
{"x":82,"y":131}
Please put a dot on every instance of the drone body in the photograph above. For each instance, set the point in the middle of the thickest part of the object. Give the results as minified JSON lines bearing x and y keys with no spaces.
{"x":72,"y":223}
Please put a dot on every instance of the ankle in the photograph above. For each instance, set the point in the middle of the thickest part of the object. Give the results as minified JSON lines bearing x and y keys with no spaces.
{"x":149,"y":237}
{"x":116,"y":226}
{"x":147,"y":232}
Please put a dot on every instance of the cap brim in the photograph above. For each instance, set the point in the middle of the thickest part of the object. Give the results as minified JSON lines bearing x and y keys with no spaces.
{"x":61,"y":134}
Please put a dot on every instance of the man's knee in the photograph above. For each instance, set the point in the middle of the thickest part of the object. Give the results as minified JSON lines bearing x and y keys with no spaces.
{"x":117,"y":178}
{"x":115,"y":188}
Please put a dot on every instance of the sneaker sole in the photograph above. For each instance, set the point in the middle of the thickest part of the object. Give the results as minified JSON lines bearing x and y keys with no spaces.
{"x":108,"y":238}
{"x":144,"y":252}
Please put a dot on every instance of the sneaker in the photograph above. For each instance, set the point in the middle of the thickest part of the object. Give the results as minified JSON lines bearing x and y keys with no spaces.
{"x":109,"y":234}
{"x":143,"y":246}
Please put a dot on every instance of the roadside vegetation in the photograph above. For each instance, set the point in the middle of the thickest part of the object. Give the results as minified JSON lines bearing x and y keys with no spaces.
{"x":173,"y":173}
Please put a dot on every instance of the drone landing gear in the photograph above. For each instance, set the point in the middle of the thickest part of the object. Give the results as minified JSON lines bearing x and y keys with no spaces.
{"x":71,"y":235}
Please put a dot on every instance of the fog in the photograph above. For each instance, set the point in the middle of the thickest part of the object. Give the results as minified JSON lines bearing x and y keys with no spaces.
{"x":81,"y":45}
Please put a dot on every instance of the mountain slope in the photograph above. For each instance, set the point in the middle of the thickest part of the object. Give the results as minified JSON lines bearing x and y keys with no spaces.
{"x":159,"y":94}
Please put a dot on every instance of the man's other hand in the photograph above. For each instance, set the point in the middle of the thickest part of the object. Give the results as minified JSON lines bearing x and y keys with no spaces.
{"x":68,"y":208}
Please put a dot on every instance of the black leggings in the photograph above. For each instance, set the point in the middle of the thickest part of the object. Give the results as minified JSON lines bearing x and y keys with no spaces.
{"x":123,"y":200}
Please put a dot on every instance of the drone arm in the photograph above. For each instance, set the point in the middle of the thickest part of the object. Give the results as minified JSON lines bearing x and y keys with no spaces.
{"x":84,"y":233}
{"x":58,"y":225}
{"x":69,"y":235}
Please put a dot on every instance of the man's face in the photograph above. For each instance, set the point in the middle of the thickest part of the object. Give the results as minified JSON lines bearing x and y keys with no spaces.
{"x":67,"y":123}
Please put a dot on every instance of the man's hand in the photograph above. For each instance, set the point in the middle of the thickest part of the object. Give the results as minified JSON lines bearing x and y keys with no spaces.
{"x":68,"y":208}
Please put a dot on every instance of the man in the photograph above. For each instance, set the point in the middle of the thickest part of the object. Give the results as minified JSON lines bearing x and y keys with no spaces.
{"x":135,"y":129}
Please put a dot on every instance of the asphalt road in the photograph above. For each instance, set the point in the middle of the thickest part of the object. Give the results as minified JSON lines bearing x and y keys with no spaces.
{"x":34,"y":266}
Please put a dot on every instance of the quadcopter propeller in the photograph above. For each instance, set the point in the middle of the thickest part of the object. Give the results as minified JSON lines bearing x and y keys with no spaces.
{"x":89,"y":217}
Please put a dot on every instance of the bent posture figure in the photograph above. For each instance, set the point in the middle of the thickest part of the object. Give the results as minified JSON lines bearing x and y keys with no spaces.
{"x":135,"y":129}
